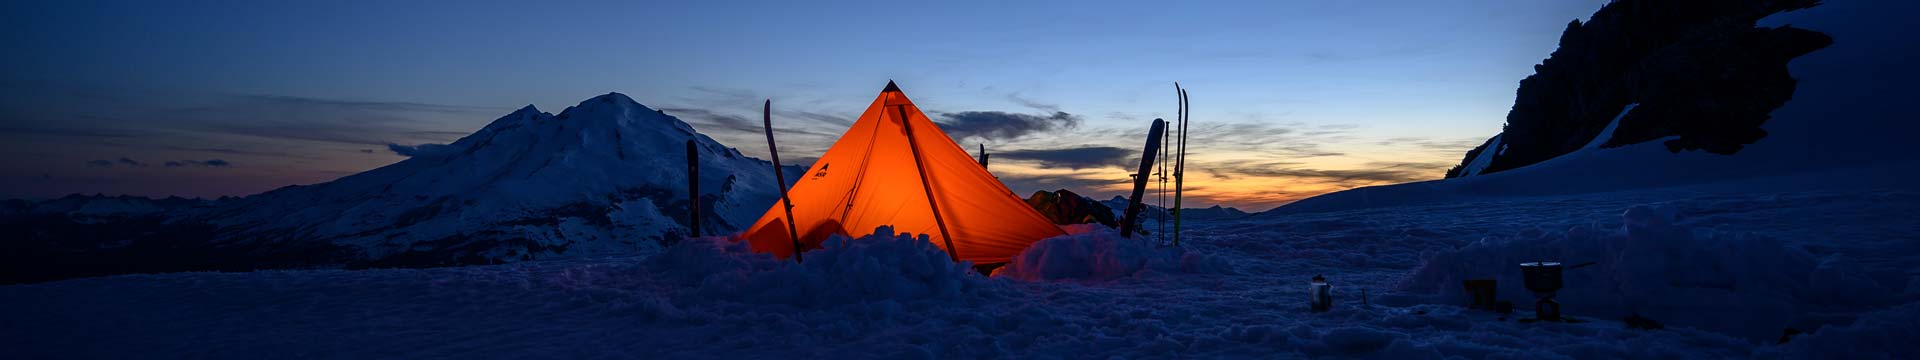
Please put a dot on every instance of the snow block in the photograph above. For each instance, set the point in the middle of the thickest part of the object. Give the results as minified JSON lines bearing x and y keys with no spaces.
{"x":1099,"y":253}
{"x":875,"y":268}
{"x":1885,"y":334}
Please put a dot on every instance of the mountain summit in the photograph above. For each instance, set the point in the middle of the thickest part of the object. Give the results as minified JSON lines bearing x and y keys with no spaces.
{"x":603,"y":177}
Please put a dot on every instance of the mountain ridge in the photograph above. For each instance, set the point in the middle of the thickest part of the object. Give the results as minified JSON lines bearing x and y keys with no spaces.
{"x":605,"y":177}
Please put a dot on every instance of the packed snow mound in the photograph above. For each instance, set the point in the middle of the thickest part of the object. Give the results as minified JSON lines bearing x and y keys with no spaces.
{"x":1889,"y":333}
{"x":878,"y":267}
{"x":1730,"y":282}
{"x":1091,"y":252}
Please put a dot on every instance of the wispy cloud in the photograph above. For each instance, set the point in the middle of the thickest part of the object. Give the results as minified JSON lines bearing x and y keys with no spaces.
{"x":389,"y":106}
{"x":1000,"y":125}
{"x":1370,"y":173}
{"x":1074,"y":158}
{"x":710,"y":122}
{"x":1037,"y":105}
{"x":198,"y":163}
{"x":49,"y":129}
{"x":421,"y":150}
{"x":322,"y":120}
{"x":123,"y":161}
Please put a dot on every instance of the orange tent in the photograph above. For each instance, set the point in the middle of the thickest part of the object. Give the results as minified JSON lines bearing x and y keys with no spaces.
{"x":909,"y":175}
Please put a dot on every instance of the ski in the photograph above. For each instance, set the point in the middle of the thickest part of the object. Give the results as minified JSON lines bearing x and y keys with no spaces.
{"x":983,"y":155}
{"x":766,"y":116}
{"x":693,"y":188}
{"x":1179,"y":163}
{"x":1132,"y":213}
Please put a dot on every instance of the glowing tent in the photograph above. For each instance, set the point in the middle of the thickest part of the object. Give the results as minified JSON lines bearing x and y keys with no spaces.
{"x":895,"y":167}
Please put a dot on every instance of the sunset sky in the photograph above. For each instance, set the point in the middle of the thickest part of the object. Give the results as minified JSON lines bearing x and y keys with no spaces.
{"x":1291,"y":98}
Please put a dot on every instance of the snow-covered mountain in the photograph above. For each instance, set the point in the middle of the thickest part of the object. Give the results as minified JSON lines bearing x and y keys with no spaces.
{"x":602,"y":177}
{"x":605,"y":177}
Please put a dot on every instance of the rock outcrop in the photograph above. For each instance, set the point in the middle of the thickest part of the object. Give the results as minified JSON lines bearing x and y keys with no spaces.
{"x":1065,"y":207}
{"x":1705,"y":76}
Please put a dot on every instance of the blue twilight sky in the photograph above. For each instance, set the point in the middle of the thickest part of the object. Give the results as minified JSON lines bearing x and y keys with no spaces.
{"x":301,"y":92}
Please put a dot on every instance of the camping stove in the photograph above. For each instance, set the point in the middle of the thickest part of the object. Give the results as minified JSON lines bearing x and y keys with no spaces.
{"x":1543,"y":278}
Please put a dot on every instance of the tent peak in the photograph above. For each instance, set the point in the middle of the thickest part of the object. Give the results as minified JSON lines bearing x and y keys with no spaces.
{"x":891,"y":87}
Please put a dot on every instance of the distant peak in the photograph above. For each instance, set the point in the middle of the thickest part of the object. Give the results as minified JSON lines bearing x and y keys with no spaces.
{"x":611,"y":97}
{"x":612,"y":100}
{"x":526,"y":110}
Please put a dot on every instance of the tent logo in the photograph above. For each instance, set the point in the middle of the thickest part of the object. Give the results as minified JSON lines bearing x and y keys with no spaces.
{"x":822,"y":172}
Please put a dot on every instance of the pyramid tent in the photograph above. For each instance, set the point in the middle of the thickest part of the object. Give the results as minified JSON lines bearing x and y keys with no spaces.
{"x":873,"y":176}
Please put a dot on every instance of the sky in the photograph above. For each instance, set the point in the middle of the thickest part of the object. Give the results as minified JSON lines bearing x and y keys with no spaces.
{"x":1290,"y":98}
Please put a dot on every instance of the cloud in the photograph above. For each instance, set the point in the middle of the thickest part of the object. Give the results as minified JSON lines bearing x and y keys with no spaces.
{"x":1091,"y":186}
{"x":207,"y":163}
{"x":245,"y":152}
{"x":825,"y":118}
{"x":709,"y":122}
{"x":1289,"y":141}
{"x":1016,"y":98}
{"x":393,"y":106}
{"x":1431,"y":145}
{"x":321,"y":120}
{"x":1087,"y":157}
{"x":1000,"y":125}
{"x":1369,"y":174}
{"x":704,"y":116}
{"x":123,"y":161}
{"x":61,"y":130}
{"x":198,"y":163}
{"x":422,"y":150}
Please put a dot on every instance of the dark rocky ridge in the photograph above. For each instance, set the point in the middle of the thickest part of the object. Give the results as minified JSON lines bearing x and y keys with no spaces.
{"x":1701,"y":71}
{"x":1065,"y":207}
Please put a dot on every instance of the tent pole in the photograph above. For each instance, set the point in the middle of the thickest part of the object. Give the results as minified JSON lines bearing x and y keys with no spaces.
{"x":1140,"y":178}
{"x":693,"y":188}
{"x":907,"y":124}
{"x":766,"y":115}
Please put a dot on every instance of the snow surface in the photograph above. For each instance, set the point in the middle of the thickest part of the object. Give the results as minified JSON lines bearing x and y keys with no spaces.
{"x":1485,"y":158}
{"x":1607,"y":133}
{"x":1096,"y":252}
{"x":1085,"y":295}
{"x":1731,"y":282}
